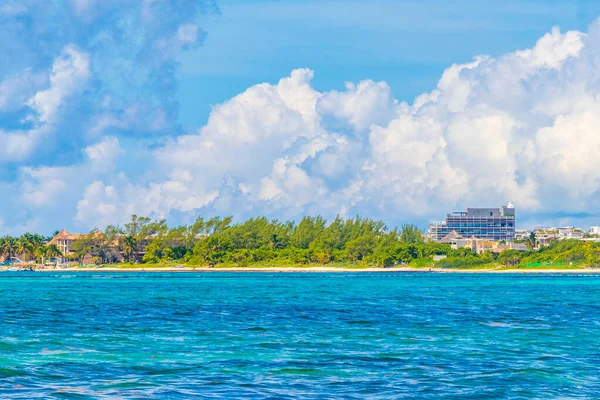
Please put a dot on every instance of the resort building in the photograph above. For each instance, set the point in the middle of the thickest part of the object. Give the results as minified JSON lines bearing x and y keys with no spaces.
{"x":64,"y":240}
{"x":569,"y":232}
{"x":545,"y":236}
{"x":521,"y":234}
{"x":480,"y":246}
{"x":595,"y":230}
{"x":483,"y":223}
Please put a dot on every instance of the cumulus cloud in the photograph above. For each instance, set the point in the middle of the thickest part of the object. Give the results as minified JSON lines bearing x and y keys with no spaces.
{"x":520,"y":128}
{"x":18,"y":89}
{"x":110,"y":70}
{"x":50,"y":187}
{"x":69,"y":73}
{"x":70,"y":70}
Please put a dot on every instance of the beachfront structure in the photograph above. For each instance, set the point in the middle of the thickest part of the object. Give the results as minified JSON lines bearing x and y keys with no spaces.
{"x":480,"y":246}
{"x":569,"y":232}
{"x":483,"y":223}
{"x":64,"y":241}
{"x":522,"y":234}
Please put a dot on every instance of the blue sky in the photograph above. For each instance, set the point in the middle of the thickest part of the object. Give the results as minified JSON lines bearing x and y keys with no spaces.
{"x":408,"y":44}
{"x":400,"y":110}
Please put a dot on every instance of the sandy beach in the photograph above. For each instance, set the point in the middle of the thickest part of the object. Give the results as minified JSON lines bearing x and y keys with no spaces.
{"x":333,"y":270}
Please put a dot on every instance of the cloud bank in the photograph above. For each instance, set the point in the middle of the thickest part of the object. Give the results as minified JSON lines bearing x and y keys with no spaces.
{"x":522,"y":127}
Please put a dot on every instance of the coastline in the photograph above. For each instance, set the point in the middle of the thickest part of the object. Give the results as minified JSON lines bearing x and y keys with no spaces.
{"x":328,"y":270}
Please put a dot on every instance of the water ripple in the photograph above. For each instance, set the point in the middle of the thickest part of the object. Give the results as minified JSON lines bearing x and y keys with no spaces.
{"x":343,"y":335}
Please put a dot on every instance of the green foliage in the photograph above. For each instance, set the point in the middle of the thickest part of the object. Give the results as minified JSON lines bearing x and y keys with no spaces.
{"x":411,"y":234}
{"x":213,"y":250}
{"x":510,"y":257}
{"x":571,"y":252}
{"x":531,"y":241}
{"x":261,"y":241}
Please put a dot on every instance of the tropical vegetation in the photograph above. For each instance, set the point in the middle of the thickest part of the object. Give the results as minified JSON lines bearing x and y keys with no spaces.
{"x":271,"y":242}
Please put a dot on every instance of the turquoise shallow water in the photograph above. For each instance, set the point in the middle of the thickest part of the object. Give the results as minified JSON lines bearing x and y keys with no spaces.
{"x":309,"y":335}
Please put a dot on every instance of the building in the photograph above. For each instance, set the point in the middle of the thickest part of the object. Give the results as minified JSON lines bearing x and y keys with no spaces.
{"x":545,"y":236}
{"x":522,"y":234}
{"x":569,"y":232}
{"x":480,"y":246}
{"x":482,"y":223}
{"x":595,"y":230}
{"x":64,"y":241}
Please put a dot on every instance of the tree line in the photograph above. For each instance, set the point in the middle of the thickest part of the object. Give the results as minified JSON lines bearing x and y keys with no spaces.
{"x":29,"y":246}
{"x":312,"y":240}
{"x":259,"y":240}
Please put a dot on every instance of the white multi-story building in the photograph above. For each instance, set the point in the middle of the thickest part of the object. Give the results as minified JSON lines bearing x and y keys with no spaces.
{"x":595,"y":230}
{"x":482,"y":223}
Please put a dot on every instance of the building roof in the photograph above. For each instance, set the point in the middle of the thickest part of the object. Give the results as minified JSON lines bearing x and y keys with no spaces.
{"x":451,"y":237}
{"x":65,"y":235}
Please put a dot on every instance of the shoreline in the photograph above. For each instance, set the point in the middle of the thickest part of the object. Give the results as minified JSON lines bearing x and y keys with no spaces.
{"x":322,"y":270}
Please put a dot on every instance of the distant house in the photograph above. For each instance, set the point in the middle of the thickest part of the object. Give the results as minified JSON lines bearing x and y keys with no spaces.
{"x":478,"y":245}
{"x":64,"y":241}
{"x":570,"y":232}
{"x":521,"y":234}
{"x":451,"y":238}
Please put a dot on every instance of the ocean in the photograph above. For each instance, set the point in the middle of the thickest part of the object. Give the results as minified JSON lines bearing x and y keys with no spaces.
{"x":299,"y":335}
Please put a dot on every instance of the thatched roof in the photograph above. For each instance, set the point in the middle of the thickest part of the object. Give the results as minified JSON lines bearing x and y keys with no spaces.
{"x":451,"y":237}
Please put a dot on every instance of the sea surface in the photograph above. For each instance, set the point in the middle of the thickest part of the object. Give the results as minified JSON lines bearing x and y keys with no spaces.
{"x":299,"y":335}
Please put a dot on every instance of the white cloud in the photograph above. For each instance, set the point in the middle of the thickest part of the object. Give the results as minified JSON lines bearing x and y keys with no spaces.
{"x":69,"y":73}
{"x":49,"y":187}
{"x":102,"y":155}
{"x":361,"y":105}
{"x":16,"y":145}
{"x":16,"y":90}
{"x":520,"y":128}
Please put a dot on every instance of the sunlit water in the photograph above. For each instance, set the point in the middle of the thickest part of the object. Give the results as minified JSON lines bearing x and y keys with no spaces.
{"x":309,"y":335}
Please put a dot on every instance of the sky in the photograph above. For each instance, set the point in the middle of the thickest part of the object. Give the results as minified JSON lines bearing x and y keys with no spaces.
{"x":395,"y":110}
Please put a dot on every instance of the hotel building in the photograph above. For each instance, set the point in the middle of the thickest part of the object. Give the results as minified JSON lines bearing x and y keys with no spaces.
{"x":482,"y":223}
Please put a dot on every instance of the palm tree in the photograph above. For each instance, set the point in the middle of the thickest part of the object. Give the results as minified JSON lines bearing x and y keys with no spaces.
{"x":129,"y":247}
{"x":531,"y":241}
{"x":25,"y":245}
{"x":54,"y":252}
{"x":38,"y":240}
{"x":9,"y":247}
{"x":41,"y":252}
{"x":2,"y":240}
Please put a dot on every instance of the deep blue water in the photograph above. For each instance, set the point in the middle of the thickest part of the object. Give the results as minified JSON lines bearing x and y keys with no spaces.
{"x":307,"y":335}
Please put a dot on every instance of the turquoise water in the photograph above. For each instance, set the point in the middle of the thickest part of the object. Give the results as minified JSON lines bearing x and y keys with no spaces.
{"x":308,"y":335}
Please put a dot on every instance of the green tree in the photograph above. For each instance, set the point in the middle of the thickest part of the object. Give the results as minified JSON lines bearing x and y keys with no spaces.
{"x":411,"y":234}
{"x":25,"y":246}
{"x":360,"y":247}
{"x":531,"y":241}
{"x":213,"y":250}
{"x":510,"y":257}
{"x":129,"y":246}
{"x":41,"y":253}
{"x":86,"y":244}
{"x":8,"y":247}
{"x":53,"y":252}
{"x":306,"y":231}
{"x":137,"y":234}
